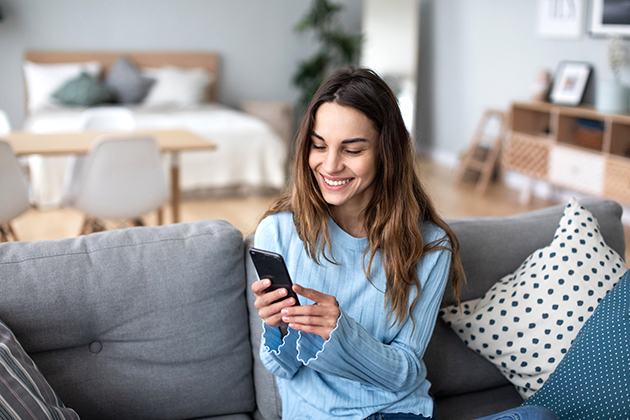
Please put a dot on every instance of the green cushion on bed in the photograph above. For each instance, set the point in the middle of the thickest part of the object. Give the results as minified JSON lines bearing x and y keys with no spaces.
{"x":84,"y":90}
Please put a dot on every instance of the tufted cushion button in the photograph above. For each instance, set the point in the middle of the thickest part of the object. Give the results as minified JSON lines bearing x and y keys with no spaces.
{"x":95,"y":347}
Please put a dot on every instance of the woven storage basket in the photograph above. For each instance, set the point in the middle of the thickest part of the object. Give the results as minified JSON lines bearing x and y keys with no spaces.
{"x":527,"y":154}
{"x":577,"y":169}
{"x":617,"y":179}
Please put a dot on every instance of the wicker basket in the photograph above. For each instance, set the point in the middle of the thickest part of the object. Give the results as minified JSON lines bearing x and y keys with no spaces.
{"x":617,"y":179}
{"x":527,"y":154}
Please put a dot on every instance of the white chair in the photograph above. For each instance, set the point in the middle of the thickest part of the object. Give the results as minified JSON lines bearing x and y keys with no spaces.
{"x":5,"y":125}
{"x":13,"y":191}
{"x":121,"y":178}
{"x":95,"y":119}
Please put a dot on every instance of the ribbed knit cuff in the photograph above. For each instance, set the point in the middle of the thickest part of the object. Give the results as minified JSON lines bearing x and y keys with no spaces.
{"x":309,"y":346}
{"x":274,"y":342}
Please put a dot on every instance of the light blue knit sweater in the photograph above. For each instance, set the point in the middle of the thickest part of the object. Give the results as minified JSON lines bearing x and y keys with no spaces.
{"x":366,"y":366}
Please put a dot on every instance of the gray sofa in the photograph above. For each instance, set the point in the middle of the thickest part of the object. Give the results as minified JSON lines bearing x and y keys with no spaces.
{"x":158,"y":322}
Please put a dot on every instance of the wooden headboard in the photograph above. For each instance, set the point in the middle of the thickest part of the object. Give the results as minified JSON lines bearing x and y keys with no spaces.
{"x":206,"y":60}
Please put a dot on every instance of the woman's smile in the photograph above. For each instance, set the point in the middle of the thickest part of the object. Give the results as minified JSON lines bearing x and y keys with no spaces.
{"x":336,"y":183}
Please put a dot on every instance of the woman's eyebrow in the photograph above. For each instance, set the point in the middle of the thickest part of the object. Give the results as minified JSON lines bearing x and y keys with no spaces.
{"x":314,"y":134}
{"x":346,"y":141}
{"x":355,"y":140}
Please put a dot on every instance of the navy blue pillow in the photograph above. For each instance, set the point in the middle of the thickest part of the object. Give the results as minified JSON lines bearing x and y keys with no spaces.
{"x":592,"y":381}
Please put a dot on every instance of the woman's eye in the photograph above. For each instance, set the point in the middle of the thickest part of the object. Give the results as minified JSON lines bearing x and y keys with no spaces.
{"x":314,"y":146}
{"x":353,"y":152}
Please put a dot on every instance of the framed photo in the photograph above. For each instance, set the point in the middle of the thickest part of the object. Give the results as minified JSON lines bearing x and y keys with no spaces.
{"x":610,"y":17}
{"x":561,"y":19}
{"x":570,"y":82}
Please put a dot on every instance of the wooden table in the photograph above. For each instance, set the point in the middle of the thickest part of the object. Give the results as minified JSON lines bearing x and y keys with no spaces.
{"x":78,"y":143}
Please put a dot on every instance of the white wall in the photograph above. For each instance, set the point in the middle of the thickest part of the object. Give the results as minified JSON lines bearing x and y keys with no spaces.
{"x":478,"y":54}
{"x":474,"y":54}
{"x":255,"y":38}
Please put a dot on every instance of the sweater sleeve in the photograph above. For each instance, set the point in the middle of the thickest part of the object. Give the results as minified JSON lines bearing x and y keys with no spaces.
{"x":278,"y":354}
{"x":353,"y":353}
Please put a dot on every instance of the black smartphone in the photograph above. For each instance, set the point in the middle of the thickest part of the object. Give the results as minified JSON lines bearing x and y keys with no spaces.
{"x":270,"y":265}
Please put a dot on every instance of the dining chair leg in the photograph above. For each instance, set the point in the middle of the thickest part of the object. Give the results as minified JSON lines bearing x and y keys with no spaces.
{"x":3,"y":234}
{"x":137,"y":222}
{"x":86,"y":228}
{"x":91,"y":225}
{"x":98,"y":225}
{"x":160,"y":216}
{"x":12,"y":232}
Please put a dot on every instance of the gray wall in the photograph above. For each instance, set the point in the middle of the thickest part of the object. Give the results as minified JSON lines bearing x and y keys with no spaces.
{"x":255,"y":38}
{"x":478,"y":54}
{"x":474,"y":54}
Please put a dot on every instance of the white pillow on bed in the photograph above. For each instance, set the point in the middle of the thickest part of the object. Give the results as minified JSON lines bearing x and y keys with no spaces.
{"x":43,"y":79}
{"x":177,"y":87}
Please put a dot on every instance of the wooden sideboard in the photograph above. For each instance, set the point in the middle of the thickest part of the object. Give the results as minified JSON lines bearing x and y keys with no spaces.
{"x":576,"y":148}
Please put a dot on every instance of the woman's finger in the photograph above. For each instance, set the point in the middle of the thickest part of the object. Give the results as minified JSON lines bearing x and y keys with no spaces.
{"x":266,"y":299}
{"x":315,"y":296}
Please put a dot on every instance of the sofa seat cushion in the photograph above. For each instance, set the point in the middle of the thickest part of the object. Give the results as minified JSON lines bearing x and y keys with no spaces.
{"x":473,"y":405}
{"x":140,"y":323}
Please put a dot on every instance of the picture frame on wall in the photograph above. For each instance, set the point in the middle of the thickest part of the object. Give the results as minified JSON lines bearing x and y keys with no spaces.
{"x":561,"y":19}
{"x":570,"y":83}
{"x":610,"y":17}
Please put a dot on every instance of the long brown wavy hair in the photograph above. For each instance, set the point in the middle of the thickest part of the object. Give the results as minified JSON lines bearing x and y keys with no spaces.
{"x":399,"y":205}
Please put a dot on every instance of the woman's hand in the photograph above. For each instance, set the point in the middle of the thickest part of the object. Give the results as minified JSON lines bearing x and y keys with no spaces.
{"x":320,"y":318}
{"x":268,"y":308}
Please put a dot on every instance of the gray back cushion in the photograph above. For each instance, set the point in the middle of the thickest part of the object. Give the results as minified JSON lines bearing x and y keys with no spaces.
{"x":492,"y":247}
{"x":141,"y":323}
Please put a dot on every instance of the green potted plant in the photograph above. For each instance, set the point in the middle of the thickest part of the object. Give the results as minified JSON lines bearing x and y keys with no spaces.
{"x":336,"y":48}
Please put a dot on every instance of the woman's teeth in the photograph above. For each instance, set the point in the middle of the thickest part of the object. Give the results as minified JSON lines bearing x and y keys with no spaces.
{"x":336,"y":183}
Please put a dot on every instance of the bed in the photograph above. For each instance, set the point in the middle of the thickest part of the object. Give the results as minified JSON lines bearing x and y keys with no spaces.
{"x":250,"y":155}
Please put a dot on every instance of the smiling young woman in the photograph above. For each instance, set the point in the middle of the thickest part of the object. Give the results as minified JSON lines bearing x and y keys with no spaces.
{"x":370,"y":258}
{"x":343,"y":153}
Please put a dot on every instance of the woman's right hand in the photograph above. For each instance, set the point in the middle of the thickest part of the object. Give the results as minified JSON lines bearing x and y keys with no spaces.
{"x":269,"y":308}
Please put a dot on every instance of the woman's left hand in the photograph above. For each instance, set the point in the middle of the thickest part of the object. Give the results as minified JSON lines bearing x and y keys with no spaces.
{"x":320,"y":318}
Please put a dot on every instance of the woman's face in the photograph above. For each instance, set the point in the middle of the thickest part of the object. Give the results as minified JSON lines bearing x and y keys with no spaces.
{"x":342,"y":157}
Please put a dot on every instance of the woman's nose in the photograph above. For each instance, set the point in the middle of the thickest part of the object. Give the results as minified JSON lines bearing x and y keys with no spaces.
{"x":333,"y":163}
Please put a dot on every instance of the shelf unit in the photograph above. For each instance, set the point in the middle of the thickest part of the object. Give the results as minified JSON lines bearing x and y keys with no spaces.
{"x":576,"y":148}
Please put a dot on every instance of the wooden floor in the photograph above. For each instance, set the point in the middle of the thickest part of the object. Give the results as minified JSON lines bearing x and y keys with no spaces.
{"x":451,"y":201}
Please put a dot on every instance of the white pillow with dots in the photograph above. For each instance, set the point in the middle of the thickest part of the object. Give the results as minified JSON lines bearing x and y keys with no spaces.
{"x":527,"y":321}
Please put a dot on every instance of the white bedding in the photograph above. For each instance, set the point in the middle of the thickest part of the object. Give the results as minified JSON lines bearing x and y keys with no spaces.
{"x":249,"y":153}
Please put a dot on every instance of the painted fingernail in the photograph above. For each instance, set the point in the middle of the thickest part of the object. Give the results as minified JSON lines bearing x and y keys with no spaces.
{"x":285,"y":312}
{"x":267,"y":282}
{"x":282,"y":292}
{"x":285,"y":318}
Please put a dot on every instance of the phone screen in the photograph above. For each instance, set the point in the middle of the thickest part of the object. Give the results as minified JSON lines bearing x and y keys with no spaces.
{"x":270,"y":265}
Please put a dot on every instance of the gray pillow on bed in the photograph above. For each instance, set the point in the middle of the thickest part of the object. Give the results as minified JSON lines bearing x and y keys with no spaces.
{"x":127,"y":81}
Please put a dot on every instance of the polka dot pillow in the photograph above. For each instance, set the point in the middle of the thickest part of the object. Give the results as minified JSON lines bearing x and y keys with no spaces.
{"x":593,"y":380}
{"x":527,"y":321}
